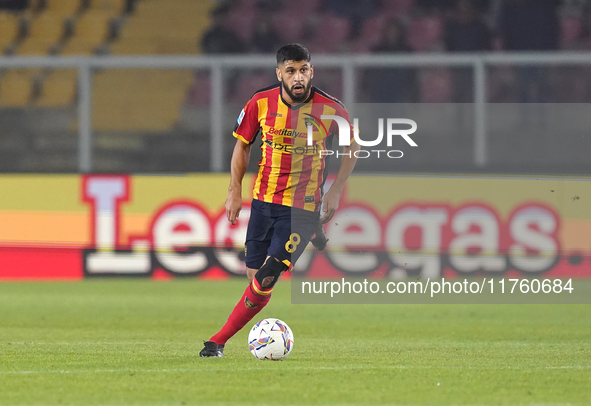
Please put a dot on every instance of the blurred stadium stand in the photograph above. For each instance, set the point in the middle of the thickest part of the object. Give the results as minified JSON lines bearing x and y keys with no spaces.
{"x":149,"y":120}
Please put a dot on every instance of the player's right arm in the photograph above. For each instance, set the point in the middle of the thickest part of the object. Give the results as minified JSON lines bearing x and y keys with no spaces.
{"x":245,"y":131}
{"x":240,"y":158}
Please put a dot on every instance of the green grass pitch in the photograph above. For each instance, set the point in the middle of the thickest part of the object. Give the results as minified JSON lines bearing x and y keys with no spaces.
{"x":136,"y":342}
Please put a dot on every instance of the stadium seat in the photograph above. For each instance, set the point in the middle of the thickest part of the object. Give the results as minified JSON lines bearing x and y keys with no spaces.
{"x":331,"y":32}
{"x":289,"y":26}
{"x":139,"y":99}
{"x":90,"y":31}
{"x":397,"y":8}
{"x":571,"y":31}
{"x":110,"y":6}
{"x":34,"y":46}
{"x":34,"y":6}
{"x":79,"y":46}
{"x":303,"y":6}
{"x":182,"y":9}
{"x":177,"y":46}
{"x":9,"y":27}
{"x":63,"y":7}
{"x":16,"y":87}
{"x":200,"y":92}
{"x":435,"y":85}
{"x":497,"y":80}
{"x":44,"y":32}
{"x":497,"y":44}
{"x":371,"y":32}
{"x":242,"y":23}
{"x":246,"y":5}
{"x":249,"y":84}
{"x":58,"y":89}
{"x":133,"y":46}
{"x":156,"y":46}
{"x":331,"y":82}
{"x":171,"y":27}
{"x":425,"y":33}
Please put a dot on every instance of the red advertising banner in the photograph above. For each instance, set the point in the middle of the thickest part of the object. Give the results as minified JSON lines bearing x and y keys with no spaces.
{"x":72,"y":227}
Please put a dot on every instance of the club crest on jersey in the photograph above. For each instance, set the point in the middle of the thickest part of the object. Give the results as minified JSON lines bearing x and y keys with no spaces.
{"x":314,"y":122}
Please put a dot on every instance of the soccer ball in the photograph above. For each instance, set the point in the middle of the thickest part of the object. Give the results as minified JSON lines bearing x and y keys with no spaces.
{"x":270,"y":339}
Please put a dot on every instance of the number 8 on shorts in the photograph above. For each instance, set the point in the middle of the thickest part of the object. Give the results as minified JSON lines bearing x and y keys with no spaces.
{"x":292,"y":244}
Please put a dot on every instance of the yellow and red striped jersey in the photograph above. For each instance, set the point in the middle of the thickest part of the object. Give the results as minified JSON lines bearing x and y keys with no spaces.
{"x":291,"y":172}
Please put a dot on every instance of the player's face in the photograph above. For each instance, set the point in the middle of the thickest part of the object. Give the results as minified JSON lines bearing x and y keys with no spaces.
{"x":296,"y":78}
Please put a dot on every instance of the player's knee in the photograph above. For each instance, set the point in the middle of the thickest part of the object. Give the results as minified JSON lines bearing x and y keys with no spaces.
{"x":269,"y":273}
{"x":250,"y":273}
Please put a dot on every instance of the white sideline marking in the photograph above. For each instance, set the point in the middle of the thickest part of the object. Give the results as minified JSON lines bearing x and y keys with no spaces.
{"x":400,"y":367}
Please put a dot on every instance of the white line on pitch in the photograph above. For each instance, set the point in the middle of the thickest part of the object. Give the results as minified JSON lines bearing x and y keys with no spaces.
{"x":400,"y":367}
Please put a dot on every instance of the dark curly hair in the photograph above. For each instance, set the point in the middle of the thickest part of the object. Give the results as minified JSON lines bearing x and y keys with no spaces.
{"x":293,"y":52}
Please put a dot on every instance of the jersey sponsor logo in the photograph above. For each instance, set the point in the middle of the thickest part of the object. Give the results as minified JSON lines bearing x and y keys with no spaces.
{"x":290,"y":149}
{"x":309,"y":199}
{"x":276,"y":114}
{"x":286,"y":132}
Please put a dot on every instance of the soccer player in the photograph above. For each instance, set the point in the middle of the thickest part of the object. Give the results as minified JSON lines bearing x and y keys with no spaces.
{"x":287,"y":195}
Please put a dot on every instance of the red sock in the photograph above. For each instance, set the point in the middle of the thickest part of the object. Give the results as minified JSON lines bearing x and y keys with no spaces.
{"x":254,"y":299}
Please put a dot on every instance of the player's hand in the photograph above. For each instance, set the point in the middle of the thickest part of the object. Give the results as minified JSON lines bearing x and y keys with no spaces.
{"x":330,"y":205}
{"x":233,"y":206}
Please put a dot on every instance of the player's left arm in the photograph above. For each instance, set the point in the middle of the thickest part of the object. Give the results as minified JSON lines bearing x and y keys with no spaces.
{"x":332,"y":197}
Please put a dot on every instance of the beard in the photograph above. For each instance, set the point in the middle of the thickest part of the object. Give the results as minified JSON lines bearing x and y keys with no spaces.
{"x":297,"y":98}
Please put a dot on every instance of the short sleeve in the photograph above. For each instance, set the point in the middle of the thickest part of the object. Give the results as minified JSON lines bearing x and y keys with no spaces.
{"x":247,"y":124}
